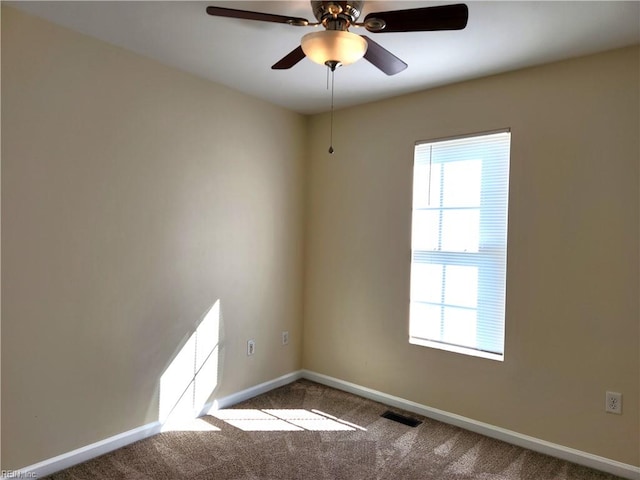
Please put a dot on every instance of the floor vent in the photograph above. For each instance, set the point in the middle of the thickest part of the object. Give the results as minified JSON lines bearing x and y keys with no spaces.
{"x":396,"y":417}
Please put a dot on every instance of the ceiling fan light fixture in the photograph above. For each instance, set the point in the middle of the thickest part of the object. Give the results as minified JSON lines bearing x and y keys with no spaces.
{"x":334,"y":46}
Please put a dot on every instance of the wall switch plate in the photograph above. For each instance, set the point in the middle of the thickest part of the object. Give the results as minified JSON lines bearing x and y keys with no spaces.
{"x":251,"y":347}
{"x":613,"y":402}
{"x":285,"y":338}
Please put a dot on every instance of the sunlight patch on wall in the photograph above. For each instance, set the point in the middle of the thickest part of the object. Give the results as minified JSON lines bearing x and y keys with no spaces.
{"x":192,"y":376}
{"x":280,"y":420}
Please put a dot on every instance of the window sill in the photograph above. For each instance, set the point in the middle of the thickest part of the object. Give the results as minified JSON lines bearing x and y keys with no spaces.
{"x":456,"y":349}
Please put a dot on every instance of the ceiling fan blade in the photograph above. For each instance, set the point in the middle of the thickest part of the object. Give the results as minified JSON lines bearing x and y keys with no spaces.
{"x":289,"y":60}
{"x":443,"y":17}
{"x":382,"y":58}
{"x":262,"y":17}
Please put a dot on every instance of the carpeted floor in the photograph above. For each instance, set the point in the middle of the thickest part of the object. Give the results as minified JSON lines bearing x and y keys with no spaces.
{"x":308,"y":431}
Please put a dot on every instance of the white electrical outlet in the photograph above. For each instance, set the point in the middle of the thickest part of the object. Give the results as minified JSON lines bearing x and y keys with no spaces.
{"x":613,"y":402}
{"x":285,"y":338}
{"x":251,"y":347}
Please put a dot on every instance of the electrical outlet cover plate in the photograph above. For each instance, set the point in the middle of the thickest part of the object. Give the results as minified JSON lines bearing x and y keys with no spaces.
{"x":613,"y":402}
{"x":285,"y":338}
{"x":251,"y":347}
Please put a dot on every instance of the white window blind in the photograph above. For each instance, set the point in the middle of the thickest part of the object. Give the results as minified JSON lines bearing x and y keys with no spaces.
{"x":459,"y":244}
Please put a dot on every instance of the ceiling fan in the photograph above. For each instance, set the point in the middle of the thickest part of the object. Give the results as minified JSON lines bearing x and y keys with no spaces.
{"x":335,"y":45}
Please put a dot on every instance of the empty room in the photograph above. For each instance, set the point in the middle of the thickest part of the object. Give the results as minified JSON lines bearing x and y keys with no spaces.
{"x":293,"y":239}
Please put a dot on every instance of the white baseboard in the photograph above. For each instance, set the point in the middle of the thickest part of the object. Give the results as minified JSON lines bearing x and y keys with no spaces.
{"x":107,"y":445}
{"x":559,"y":451}
{"x":251,"y":392}
{"x":69,"y":459}
{"x":82,"y":454}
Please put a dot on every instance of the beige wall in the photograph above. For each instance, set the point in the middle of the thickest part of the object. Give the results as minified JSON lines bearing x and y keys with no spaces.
{"x":572,"y":316}
{"x":133,"y":198}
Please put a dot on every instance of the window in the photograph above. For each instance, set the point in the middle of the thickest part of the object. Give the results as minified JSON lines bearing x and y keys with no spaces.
{"x":459,"y":244}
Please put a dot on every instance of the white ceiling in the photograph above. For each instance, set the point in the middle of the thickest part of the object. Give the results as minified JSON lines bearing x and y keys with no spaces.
{"x":500,"y":36}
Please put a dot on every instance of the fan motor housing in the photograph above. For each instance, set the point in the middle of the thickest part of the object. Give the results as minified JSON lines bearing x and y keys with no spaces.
{"x":349,"y":11}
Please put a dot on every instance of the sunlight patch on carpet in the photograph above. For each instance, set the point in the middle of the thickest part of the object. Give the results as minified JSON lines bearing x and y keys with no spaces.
{"x":278,"y":420}
{"x":189,"y":425}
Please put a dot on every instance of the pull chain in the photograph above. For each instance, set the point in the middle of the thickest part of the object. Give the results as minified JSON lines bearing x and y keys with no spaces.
{"x":328,"y":70}
{"x":333,"y":71}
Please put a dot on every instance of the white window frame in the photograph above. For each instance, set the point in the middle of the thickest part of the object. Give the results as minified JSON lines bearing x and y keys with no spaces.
{"x":490,"y":257}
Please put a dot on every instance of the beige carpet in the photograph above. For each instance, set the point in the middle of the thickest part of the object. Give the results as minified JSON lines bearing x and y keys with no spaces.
{"x":308,"y":431}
